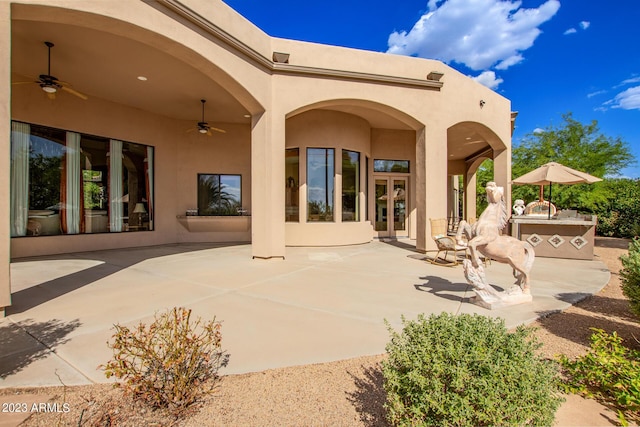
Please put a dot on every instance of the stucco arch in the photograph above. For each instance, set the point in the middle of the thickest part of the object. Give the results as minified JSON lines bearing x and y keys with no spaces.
{"x":180,"y":45}
{"x":469,"y":144}
{"x":377,"y":114}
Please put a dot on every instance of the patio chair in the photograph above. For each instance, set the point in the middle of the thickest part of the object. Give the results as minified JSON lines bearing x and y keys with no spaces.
{"x":445,"y":243}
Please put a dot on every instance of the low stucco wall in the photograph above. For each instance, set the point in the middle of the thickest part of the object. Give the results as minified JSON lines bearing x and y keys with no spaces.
{"x":328,"y":233}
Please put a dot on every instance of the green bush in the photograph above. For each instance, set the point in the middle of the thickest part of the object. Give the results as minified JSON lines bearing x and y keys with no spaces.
{"x":609,"y":372}
{"x":630,"y":275}
{"x":619,"y":215}
{"x":467,"y":371}
{"x":172,"y":363}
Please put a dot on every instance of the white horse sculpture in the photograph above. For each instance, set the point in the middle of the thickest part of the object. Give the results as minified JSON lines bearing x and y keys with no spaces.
{"x":484,"y":237}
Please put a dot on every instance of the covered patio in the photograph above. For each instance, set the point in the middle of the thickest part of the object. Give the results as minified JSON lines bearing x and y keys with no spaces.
{"x":317,"y":305}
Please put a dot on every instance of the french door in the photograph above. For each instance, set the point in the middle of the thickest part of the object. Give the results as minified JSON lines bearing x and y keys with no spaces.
{"x":391,"y":206}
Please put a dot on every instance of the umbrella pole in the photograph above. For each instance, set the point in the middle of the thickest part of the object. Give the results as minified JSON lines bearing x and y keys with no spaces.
{"x":550,"y":193}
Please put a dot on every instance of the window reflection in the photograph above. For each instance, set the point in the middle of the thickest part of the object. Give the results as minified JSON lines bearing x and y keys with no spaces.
{"x":350,"y":185}
{"x":399,"y":166}
{"x":320,"y":184}
{"x":219,"y":195}
{"x":65,"y":182}
{"x":292,"y":194}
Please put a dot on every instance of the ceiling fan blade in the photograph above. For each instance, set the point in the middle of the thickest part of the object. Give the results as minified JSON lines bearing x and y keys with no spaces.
{"x":209,"y":132}
{"x":217,"y":130}
{"x":51,"y":95}
{"x":22,"y":83}
{"x":74,"y":92}
{"x":191,"y":130}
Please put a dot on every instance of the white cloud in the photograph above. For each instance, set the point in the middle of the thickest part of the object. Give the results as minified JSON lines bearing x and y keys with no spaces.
{"x":630,"y":81}
{"x":477,"y":33}
{"x":538,"y":130}
{"x":627,"y":100}
{"x":488,"y":79}
{"x":583,"y":25}
{"x":596,"y":93}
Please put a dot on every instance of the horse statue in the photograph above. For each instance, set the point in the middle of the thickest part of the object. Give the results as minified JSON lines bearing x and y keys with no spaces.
{"x":483,"y":237}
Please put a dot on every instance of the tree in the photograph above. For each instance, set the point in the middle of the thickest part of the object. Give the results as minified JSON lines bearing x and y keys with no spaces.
{"x":579,"y":146}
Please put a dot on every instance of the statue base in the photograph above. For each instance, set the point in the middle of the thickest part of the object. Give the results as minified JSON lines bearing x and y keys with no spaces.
{"x":486,"y":296}
{"x":506,"y":299}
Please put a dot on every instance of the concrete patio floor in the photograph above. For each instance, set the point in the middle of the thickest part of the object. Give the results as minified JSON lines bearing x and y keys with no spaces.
{"x":318,"y":305}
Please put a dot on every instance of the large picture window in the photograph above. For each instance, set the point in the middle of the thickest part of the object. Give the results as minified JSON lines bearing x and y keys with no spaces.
{"x":219,"y":194}
{"x":350,"y":186}
{"x":65,"y":182}
{"x":320,"y":184}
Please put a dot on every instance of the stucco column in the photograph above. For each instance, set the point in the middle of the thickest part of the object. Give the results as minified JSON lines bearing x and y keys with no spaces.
{"x":267,"y":186}
{"x":470,"y":193}
{"x":5,"y":154}
{"x":432,"y":178}
{"x":502,"y":173}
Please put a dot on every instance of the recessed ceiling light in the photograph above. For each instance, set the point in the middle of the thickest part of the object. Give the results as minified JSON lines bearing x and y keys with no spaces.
{"x":246,"y":116}
{"x":142,"y":78}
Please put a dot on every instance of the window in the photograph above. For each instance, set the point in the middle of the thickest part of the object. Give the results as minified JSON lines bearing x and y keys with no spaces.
{"x":320,"y":184}
{"x":65,"y":182}
{"x":350,"y":186}
{"x":292,"y":183}
{"x":219,"y":195}
{"x":401,"y":166}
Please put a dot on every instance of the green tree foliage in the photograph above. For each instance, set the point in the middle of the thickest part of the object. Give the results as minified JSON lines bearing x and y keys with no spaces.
{"x":483,"y":175}
{"x":579,"y":146}
{"x":619,"y":216}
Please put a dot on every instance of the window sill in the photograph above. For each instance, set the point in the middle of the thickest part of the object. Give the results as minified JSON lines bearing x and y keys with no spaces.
{"x":197,"y":224}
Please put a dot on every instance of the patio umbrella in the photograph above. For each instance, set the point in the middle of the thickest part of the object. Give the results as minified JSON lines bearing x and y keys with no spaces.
{"x":552,"y":172}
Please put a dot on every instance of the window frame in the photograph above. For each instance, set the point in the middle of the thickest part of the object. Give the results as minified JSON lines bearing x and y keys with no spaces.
{"x":239,"y":209}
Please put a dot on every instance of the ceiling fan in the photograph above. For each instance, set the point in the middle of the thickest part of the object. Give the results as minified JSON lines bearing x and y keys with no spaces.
{"x":51,"y":84}
{"x":203,"y":127}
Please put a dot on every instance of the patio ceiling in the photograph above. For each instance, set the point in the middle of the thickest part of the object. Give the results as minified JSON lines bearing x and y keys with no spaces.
{"x":464,"y":141}
{"x":106,"y":66}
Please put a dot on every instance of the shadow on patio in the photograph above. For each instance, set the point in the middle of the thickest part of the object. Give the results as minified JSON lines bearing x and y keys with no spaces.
{"x":108,"y":263}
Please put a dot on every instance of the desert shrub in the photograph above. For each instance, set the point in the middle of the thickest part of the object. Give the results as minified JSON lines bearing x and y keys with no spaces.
{"x":609,"y":372}
{"x":630,"y":275}
{"x":467,"y":370}
{"x":172,"y":363}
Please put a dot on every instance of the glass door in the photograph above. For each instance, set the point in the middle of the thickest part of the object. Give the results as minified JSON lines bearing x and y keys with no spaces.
{"x":391,"y":206}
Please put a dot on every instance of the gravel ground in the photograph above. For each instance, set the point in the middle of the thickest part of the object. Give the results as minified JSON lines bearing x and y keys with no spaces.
{"x":343,"y":393}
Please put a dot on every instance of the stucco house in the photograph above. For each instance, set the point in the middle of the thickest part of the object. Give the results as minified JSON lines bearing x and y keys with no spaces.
{"x":148,"y":122}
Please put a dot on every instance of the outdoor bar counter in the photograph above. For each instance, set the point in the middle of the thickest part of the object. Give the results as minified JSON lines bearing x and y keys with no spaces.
{"x":571,"y":238}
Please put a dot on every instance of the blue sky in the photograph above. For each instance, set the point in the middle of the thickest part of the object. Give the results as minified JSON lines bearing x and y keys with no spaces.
{"x":549,"y":57}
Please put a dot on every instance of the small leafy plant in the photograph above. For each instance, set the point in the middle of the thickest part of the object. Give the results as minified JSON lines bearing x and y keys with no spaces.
{"x":609,"y":372}
{"x":172,"y":363}
{"x":467,"y":370}
{"x":630,"y":275}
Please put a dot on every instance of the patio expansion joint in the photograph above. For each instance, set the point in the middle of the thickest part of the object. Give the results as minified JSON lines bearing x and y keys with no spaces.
{"x":53,"y":352}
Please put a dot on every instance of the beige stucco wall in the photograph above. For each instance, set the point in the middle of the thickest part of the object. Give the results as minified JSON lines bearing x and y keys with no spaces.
{"x":276,"y":98}
{"x":337,"y":130}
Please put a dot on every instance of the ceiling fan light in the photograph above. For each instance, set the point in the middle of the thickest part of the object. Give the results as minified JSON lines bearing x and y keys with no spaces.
{"x":49,"y":89}
{"x":202,"y":130}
